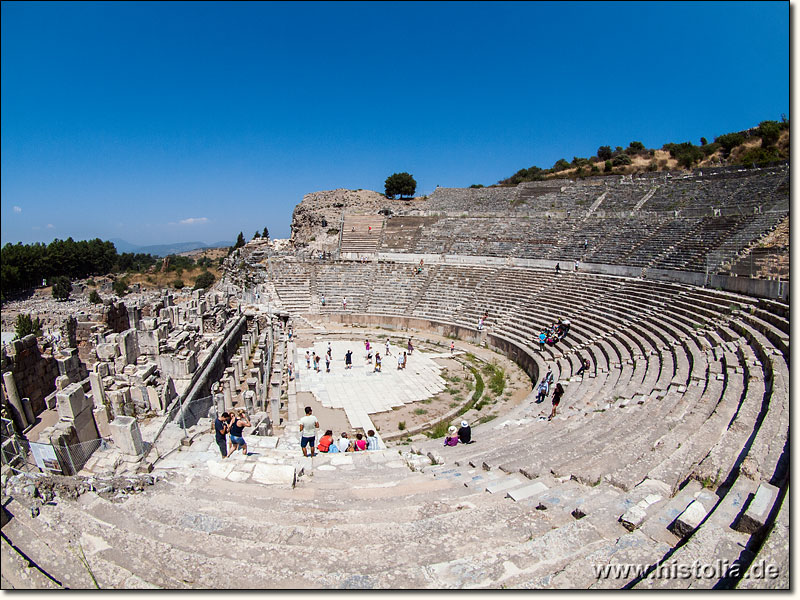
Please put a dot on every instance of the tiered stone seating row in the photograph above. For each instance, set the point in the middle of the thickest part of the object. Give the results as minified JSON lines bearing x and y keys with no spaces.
{"x":685,"y":384}
{"x":739,"y":191}
{"x":638,"y":240}
{"x":361,"y":233}
{"x":292,"y":283}
{"x":733,"y":191}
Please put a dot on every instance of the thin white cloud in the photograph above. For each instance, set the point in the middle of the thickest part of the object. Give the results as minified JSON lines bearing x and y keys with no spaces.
{"x":51,"y":226}
{"x":194,"y":220}
{"x":17,"y":209}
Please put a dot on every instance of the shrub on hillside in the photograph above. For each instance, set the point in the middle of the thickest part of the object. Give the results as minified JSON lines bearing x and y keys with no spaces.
{"x":607,"y":167}
{"x":604,"y":153}
{"x":62,"y":287}
{"x":204,"y":280}
{"x":635,"y":147}
{"x":621,"y":159}
{"x":759,"y":156}
{"x":729,"y":141}
{"x":120,"y":287}
{"x":561,"y":165}
{"x":95,"y":298}
{"x":178,"y":284}
{"x":769,"y":131}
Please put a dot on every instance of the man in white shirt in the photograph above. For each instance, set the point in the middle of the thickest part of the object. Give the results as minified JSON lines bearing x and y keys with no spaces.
{"x":308,"y":432}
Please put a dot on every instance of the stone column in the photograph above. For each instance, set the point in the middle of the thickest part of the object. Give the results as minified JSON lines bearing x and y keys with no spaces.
{"x":26,"y":406}
{"x":227,"y":395}
{"x":14,"y":399}
{"x":249,"y":400}
{"x":219,"y":403}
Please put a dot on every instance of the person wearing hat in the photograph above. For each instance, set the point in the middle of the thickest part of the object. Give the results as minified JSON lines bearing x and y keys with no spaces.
{"x":451,"y":439}
{"x":465,"y":433}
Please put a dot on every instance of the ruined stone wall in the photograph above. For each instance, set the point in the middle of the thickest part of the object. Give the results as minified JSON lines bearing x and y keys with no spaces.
{"x":34,"y":373}
{"x":115,"y":317}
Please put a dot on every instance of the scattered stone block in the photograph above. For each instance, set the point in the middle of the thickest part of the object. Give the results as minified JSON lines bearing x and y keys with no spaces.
{"x":527,"y":491}
{"x":689,"y":519}
{"x":757,"y":513}
{"x":126,"y":435}
{"x":503,"y":485}
{"x":274,"y":474}
{"x":71,"y":401}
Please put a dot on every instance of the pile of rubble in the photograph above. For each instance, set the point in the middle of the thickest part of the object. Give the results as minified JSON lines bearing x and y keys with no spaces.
{"x":36,"y":489}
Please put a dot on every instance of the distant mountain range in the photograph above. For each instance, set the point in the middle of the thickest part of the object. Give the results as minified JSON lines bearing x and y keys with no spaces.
{"x":165,"y":249}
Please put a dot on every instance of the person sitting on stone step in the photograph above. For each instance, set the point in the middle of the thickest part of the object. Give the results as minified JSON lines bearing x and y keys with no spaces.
{"x":372,"y":441}
{"x":344,"y":444}
{"x":326,"y":441}
{"x":360,"y":444}
{"x":465,"y":433}
{"x":542,"y":391}
{"x":584,"y":365}
{"x":451,"y":439}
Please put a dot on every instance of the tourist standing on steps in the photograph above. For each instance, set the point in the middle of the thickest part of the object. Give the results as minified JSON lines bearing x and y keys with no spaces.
{"x":220,"y":431}
{"x":308,"y":432}
{"x":344,"y":303}
{"x":405,"y":358}
{"x":557,"y":393}
{"x":558,"y":268}
{"x":377,"y":362}
{"x":387,"y":349}
{"x":322,"y":299}
{"x":348,"y":359}
{"x":308,"y":359}
{"x":327,"y":363}
{"x":452,"y":347}
{"x":410,"y":346}
{"x":238,"y":424}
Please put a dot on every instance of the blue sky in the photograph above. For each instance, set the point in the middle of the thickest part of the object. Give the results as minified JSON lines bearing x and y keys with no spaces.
{"x":168,"y":122}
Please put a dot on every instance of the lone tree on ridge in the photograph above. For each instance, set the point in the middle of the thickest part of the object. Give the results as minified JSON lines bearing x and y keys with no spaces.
{"x":400,"y":183}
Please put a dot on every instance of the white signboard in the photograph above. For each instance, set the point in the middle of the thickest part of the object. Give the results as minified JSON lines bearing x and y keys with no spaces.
{"x":45,"y":457}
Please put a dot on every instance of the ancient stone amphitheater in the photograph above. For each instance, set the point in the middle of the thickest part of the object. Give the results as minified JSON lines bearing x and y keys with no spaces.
{"x":667,"y":466}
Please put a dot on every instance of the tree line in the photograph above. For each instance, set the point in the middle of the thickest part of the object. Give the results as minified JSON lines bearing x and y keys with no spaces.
{"x":686,"y":154}
{"x":26,"y":266}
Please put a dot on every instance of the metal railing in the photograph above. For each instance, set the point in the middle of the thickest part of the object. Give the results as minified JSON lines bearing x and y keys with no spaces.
{"x":23,"y":455}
